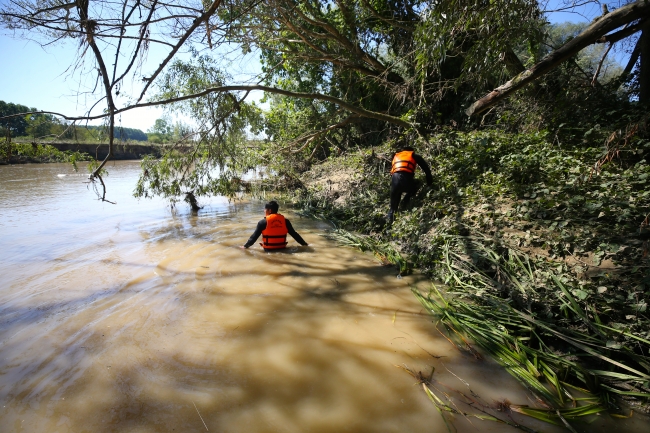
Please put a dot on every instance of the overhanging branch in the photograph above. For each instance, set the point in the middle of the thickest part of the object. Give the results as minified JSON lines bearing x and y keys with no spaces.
{"x":318,"y":96}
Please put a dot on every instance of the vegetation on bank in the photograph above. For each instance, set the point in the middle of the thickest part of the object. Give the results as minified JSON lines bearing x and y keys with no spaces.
{"x":542,"y":245}
{"x":20,"y":153}
{"x":46,"y":128}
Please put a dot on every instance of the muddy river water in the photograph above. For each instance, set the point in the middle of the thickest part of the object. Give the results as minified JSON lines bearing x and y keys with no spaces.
{"x":131,"y":317}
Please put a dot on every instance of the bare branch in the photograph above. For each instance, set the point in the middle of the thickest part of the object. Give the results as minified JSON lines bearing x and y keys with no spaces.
{"x":66,"y":30}
{"x":89,"y":26}
{"x":66,"y":6}
{"x":314,"y":135}
{"x":197,"y":22}
{"x":600,"y":64}
{"x":143,"y":32}
{"x":318,"y":96}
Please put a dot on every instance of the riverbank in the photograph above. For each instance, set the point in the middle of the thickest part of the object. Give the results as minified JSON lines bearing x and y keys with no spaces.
{"x":26,"y":153}
{"x":20,"y":152}
{"x":131,"y":150}
{"x":543,"y":248}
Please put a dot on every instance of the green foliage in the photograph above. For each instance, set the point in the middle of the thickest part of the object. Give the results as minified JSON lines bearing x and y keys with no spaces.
{"x":162,"y":126}
{"x":165,"y":130}
{"x":15,"y":126}
{"x":418,"y":60}
{"x":350,"y":50}
{"x":125,"y":134}
{"x":555,"y":230}
{"x":384,"y":252}
{"x":565,"y":101}
{"x":212,"y":158}
{"x":479,"y":32}
{"x":519,"y":342}
{"x":27,"y":152}
{"x":39,"y":126}
{"x":161,"y":131}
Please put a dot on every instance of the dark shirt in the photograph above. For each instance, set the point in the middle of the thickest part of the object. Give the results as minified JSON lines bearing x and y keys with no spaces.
{"x":261,"y":225}
{"x":422,"y":163}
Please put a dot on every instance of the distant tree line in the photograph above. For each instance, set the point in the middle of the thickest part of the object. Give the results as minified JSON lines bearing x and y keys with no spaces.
{"x":165,"y":130}
{"x":46,"y":126}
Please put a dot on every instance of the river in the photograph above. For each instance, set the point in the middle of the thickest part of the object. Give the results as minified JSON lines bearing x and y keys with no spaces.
{"x":135,"y":317}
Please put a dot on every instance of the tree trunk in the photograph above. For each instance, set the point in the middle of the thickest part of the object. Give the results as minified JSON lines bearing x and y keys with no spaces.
{"x":513,"y":64}
{"x":644,"y":75}
{"x":634,"y":57}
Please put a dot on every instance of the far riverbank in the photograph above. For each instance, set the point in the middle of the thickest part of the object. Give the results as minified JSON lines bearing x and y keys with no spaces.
{"x":22,"y":152}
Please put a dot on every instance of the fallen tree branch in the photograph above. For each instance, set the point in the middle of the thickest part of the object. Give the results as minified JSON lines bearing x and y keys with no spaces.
{"x":622,"y":34}
{"x":609,"y":22}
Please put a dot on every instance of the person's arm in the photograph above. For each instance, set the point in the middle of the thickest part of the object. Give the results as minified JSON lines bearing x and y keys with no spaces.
{"x":294,"y":234}
{"x":425,"y":167}
{"x":261,"y":225}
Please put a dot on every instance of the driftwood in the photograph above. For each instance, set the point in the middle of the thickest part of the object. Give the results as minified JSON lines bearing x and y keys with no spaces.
{"x":592,"y":34}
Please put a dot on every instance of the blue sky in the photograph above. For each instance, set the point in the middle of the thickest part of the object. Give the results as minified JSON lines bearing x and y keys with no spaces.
{"x":586,"y":12}
{"x":40,"y":77}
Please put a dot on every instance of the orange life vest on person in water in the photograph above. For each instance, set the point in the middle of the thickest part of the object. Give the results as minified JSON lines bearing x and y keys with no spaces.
{"x":274,"y":236}
{"x":404,"y":162}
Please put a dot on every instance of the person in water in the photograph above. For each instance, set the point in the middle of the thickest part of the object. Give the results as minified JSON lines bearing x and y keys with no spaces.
{"x":274,"y":229}
{"x":403,"y":180}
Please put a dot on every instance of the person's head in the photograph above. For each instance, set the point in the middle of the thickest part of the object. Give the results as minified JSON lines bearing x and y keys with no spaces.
{"x":403,"y":144}
{"x":271,"y":207}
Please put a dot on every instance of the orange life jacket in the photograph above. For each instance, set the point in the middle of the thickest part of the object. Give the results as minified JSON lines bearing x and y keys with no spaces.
{"x":274,"y":236}
{"x":404,"y":162}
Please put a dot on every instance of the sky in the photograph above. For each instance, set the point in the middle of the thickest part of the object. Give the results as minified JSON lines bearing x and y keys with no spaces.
{"x":587,"y":11}
{"x":40,"y":77}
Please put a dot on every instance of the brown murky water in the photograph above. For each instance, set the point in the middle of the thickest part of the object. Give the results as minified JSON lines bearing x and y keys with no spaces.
{"x":134,"y":318}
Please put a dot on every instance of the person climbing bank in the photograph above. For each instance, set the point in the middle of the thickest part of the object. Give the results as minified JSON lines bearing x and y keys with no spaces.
{"x":403,"y":180}
{"x":274,"y":228}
